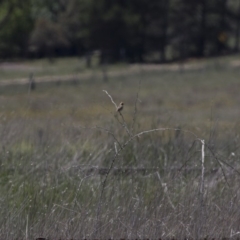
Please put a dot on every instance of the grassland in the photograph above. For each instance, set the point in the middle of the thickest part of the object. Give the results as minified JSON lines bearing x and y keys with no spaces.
{"x":53,"y":135}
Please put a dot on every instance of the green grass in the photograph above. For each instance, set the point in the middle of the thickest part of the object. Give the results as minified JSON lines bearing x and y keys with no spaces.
{"x":49,"y":136}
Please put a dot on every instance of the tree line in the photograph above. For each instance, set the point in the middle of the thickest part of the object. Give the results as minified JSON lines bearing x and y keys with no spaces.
{"x":122,"y":30}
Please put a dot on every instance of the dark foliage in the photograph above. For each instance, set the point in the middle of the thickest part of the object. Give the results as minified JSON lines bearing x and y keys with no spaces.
{"x":134,"y":31}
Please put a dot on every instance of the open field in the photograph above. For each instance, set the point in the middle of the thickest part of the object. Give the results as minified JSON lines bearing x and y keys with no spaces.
{"x":55,"y":138}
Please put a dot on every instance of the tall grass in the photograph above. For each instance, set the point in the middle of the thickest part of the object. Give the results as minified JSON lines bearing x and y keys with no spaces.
{"x":50,"y":191}
{"x":65,"y":176}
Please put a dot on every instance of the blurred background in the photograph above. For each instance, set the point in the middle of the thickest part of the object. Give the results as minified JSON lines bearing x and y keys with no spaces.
{"x":128,"y":31}
{"x":176,"y":66}
{"x":185,"y":54}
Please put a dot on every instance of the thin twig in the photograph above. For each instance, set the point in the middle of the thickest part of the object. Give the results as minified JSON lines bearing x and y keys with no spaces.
{"x":122,"y":123}
{"x":105,"y":130}
{"x":203,"y":168}
{"x":165,"y":190}
{"x":201,"y":199}
{"x":110,"y":98}
{"x":125,"y":125}
{"x":220,"y":164}
{"x":135,"y":107}
{"x":97,"y":227}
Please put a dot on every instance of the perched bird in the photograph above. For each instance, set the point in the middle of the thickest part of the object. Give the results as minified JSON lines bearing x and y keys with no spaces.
{"x":120,"y":107}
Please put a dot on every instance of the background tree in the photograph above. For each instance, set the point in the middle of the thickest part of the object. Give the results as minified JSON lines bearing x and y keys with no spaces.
{"x":107,"y":28}
{"x":7,"y":9}
{"x":15,"y":28}
{"x":157,"y":30}
{"x":134,"y":31}
{"x":47,"y":38}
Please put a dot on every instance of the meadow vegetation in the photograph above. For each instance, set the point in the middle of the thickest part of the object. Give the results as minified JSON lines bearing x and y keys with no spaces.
{"x":59,"y":141}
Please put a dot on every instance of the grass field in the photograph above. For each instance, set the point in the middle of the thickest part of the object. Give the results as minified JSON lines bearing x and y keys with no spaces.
{"x":56,"y":137}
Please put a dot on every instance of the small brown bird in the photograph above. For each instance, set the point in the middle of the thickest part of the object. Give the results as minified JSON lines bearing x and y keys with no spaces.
{"x":120,"y":107}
